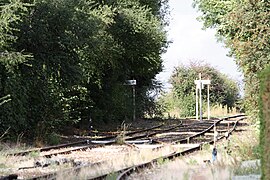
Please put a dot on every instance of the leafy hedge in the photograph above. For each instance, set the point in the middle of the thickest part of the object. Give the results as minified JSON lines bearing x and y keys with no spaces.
{"x":223,"y":89}
{"x":264,"y":102}
{"x":64,"y":62}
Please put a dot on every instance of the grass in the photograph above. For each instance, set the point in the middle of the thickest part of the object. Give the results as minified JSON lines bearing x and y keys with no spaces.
{"x":192,"y":162}
{"x":206,"y":147}
{"x":186,"y":175}
{"x":221,"y":111}
{"x":161,"y":161}
{"x":129,"y":157}
{"x":120,"y":138}
{"x":247,"y":170}
{"x":243,"y":146}
{"x":215,"y":111}
{"x":112,"y":176}
{"x":6,"y":162}
{"x":34,"y":154}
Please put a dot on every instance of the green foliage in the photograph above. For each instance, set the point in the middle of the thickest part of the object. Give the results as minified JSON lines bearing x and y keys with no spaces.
{"x":162,"y":161}
{"x":112,"y":176}
{"x":34,"y":154}
{"x":192,"y":162}
{"x":53,"y":139}
{"x":11,"y":14}
{"x":264,"y":102}
{"x":81,"y":54}
{"x":243,"y":171}
{"x":120,"y":138}
{"x":223,"y":90}
{"x":243,"y":26}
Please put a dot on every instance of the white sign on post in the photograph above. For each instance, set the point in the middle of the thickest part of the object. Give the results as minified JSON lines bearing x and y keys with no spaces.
{"x":204,"y":82}
{"x":199,"y":86}
{"x":131,"y":82}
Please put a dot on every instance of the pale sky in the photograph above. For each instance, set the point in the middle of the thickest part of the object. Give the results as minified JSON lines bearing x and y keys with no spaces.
{"x":190,"y":42}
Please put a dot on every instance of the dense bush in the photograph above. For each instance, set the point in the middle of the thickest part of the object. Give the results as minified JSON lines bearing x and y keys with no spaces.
{"x":243,"y":27}
{"x":64,"y":61}
{"x":223,"y":90}
{"x":264,"y":122}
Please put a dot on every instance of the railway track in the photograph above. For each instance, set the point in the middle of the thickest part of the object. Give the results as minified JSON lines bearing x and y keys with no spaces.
{"x":79,"y":145}
{"x":124,"y":173}
{"x":78,"y":161}
{"x":45,"y":155}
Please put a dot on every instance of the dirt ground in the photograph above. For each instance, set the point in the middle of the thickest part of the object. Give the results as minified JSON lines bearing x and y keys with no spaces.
{"x":199,"y":165}
{"x":73,"y":134}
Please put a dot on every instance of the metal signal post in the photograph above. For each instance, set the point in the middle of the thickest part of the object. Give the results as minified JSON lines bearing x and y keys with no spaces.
{"x":133,"y":84}
{"x":199,"y":86}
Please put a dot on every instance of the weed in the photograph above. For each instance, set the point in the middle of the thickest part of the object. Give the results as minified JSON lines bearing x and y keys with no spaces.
{"x":112,"y":176}
{"x":186,"y":175}
{"x":19,"y":139}
{"x":2,"y":135}
{"x":161,"y":161}
{"x":120,"y":139}
{"x":205,"y":147}
{"x":53,"y":139}
{"x":2,"y":165}
{"x":247,"y":145}
{"x":192,"y":162}
{"x":34,"y":154}
{"x":240,"y":170}
{"x":221,"y":111}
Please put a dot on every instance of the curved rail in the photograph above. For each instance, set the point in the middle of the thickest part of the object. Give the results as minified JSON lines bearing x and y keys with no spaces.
{"x":123,"y":174}
{"x":110,"y":139}
{"x":154,"y":133}
{"x":170,"y":156}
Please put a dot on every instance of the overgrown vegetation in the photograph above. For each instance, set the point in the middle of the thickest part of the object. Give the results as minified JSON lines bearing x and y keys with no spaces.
{"x":120,"y":138}
{"x":244,"y":146}
{"x":264,"y":123}
{"x":64,"y":62}
{"x":248,"y":170}
{"x":224,"y":91}
{"x":244,"y":27}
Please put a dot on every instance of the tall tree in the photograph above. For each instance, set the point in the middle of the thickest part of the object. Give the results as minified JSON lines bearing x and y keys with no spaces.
{"x":243,"y":26}
{"x":223,"y":90}
{"x":82,"y":53}
{"x":11,"y":14}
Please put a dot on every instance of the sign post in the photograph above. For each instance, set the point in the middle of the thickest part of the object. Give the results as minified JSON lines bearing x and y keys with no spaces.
{"x":199,"y":86}
{"x":208,"y":101}
{"x":200,"y":89}
{"x":133,"y":84}
{"x":197,"y":103}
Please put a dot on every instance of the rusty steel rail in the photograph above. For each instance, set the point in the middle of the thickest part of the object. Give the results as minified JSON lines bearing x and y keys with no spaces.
{"x":154,"y":133}
{"x":127,"y":134}
{"x":91,"y":146}
{"x":124,"y":173}
{"x":88,"y":146}
{"x":83,"y":148}
{"x":23,"y":153}
{"x":185,"y":140}
{"x":52,"y":176}
{"x":143,"y":130}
